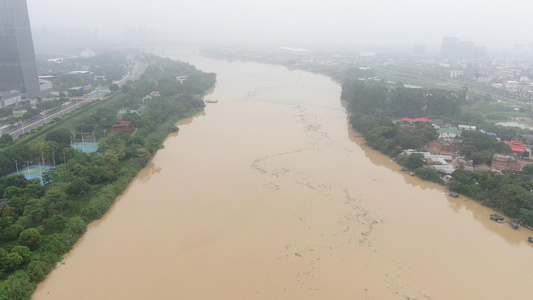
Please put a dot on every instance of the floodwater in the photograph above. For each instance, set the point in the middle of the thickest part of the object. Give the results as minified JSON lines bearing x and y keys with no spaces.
{"x":270,"y":195}
{"x":524,"y":123}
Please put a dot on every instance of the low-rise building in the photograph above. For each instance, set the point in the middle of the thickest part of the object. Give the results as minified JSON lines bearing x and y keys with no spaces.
{"x":463,"y":163}
{"x":513,"y":86}
{"x":121,"y":126}
{"x":444,"y":169}
{"x":482,"y":168}
{"x":516,"y":146}
{"x":46,"y":87}
{"x":449,"y":132}
{"x":76,"y":91}
{"x":467,"y":127}
{"x":84,"y":75}
{"x":450,"y":147}
{"x":456,"y":73}
{"x":9,"y":98}
{"x":505,"y":162}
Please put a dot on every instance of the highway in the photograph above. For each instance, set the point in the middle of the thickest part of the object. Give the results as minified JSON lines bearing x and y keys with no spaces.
{"x":22,"y":127}
{"x":25,"y":126}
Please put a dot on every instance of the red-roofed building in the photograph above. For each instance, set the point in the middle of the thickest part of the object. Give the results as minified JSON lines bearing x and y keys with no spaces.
{"x":121,"y":126}
{"x":517,"y":146}
{"x":423,"y":120}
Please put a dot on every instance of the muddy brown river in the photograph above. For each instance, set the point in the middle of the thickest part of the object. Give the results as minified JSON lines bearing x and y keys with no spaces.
{"x":270,"y":195}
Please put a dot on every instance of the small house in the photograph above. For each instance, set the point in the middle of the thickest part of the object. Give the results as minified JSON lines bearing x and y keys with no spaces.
{"x":121,"y":126}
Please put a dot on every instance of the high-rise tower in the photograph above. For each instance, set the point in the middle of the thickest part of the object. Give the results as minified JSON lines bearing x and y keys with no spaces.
{"x":18,"y":69}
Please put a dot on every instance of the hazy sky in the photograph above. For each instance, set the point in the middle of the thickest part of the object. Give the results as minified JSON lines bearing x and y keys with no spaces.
{"x":348,"y":23}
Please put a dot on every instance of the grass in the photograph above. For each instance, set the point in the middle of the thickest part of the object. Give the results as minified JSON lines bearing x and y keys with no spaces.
{"x":497,"y":109}
{"x":407,"y":78}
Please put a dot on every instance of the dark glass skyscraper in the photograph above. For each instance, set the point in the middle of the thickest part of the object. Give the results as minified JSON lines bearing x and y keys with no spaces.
{"x":18,"y":69}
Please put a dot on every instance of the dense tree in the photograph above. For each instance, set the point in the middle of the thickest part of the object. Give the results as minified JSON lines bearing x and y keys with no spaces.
{"x":513,"y":198}
{"x":415,"y":161}
{"x":364,"y":99}
{"x":35,"y":210}
{"x":54,"y":224}
{"x":6,"y":140}
{"x":61,"y":136}
{"x":11,"y":233}
{"x":429,"y":174}
{"x":442,"y":102}
{"x":401,"y":102}
{"x":407,"y":103}
{"x":37,"y":270}
{"x":12,"y":261}
{"x":114,"y":87}
{"x":77,"y":225}
{"x":78,"y":185}
{"x":19,"y":286}
{"x":30,"y":238}
{"x":482,"y":146}
{"x":23,"y":251}
{"x":56,"y":197}
{"x":528,"y":170}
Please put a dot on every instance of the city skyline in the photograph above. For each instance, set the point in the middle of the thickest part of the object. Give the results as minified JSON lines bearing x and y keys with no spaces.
{"x":335,"y":24}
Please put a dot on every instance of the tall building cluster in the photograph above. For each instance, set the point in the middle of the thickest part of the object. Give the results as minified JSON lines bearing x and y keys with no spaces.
{"x":454,"y":48}
{"x":18,"y":68}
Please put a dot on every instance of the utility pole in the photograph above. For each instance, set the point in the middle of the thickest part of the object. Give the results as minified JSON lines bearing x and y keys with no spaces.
{"x":40,"y":173}
{"x":82,"y":140}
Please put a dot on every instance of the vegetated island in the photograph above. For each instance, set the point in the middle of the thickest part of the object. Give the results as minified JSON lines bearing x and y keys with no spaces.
{"x":418,"y":126}
{"x":39,"y":223}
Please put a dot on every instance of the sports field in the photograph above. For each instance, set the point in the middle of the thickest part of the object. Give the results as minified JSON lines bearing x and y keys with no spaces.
{"x":33,"y":171}
{"x":85,"y":147}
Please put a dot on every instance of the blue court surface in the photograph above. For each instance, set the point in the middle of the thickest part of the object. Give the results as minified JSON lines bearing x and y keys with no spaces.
{"x":33,"y":171}
{"x":86,"y":146}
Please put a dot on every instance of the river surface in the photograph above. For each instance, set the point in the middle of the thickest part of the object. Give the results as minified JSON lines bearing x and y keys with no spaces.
{"x":270,"y":195}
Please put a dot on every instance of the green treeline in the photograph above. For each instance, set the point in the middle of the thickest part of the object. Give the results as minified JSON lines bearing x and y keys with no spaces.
{"x":372,"y":109}
{"x":40,"y":223}
{"x":508,"y":194}
{"x":390,"y":138}
{"x":401,"y":102}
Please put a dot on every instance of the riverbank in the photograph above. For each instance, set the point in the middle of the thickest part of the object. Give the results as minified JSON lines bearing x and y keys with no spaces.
{"x":39,"y":224}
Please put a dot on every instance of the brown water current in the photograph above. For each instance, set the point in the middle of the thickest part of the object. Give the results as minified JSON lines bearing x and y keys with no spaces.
{"x":270,"y":195}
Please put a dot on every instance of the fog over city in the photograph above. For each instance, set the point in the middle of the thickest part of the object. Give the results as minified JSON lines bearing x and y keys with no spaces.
{"x":266,"y":149}
{"x":343,"y":24}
